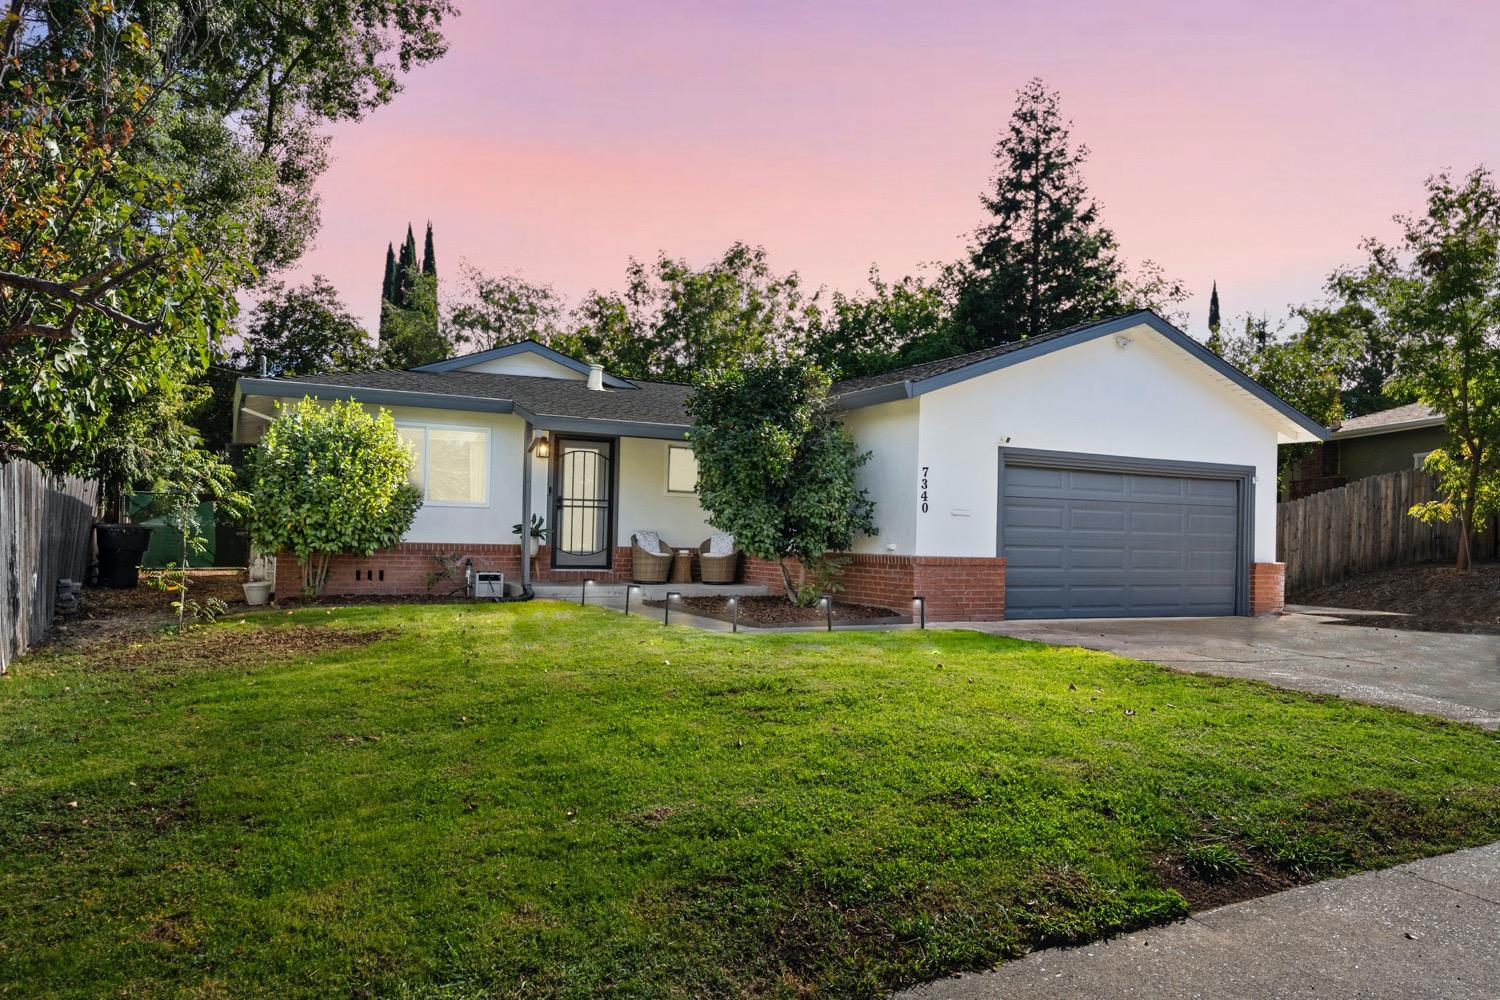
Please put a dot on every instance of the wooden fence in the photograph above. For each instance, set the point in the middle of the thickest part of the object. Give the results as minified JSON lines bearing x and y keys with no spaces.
{"x":1364,"y":526}
{"x":45,"y":523}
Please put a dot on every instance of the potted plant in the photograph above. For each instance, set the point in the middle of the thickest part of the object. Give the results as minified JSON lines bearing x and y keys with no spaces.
{"x":535,"y":538}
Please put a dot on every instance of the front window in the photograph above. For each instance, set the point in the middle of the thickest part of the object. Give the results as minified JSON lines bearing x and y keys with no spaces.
{"x":449,"y":464}
{"x":682,"y":470}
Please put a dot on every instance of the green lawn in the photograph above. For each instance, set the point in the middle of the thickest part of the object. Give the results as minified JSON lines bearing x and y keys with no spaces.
{"x":532,"y":800}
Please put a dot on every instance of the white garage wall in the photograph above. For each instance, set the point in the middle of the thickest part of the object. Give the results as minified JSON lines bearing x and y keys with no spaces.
{"x":892,"y":475}
{"x":645,"y":502}
{"x":1148,"y":400}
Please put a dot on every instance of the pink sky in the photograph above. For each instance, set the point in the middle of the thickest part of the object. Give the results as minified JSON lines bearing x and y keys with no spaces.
{"x":1253,"y":144}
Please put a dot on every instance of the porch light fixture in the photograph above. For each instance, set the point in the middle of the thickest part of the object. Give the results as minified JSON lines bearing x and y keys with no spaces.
{"x":734,"y":614}
{"x":630,"y":588}
{"x":921,"y":603}
{"x":541,"y":446}
{"x":666,"y":606}
{"x":828,"y":608}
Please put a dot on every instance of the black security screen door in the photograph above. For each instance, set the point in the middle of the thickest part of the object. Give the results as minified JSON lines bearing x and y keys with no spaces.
{"x":582,"y":504}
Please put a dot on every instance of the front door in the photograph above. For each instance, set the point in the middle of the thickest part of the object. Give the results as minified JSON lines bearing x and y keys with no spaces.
{"x":583,"y":515}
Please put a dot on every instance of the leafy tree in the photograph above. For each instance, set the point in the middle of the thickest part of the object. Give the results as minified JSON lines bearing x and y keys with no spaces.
{"x":190,"y":477}
{"x":1043,"y":260}
{"x":409,"y":333}
{"x":171,"y":151}
{"x":1149,"y":287}
{"x":304,"y":331}
{"x":1440,"y":291}
{"x":776,"y":469}
{"x":613,"y":330}
{"x":882,"y":329}
{"x":1295,"y":368}
{"x":496,"y":310}
{"x":1352,"y":325}
{"x":326,"y":480}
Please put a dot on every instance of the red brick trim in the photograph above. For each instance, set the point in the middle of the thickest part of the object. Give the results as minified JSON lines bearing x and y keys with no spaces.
{"x":402,"y":570}
{"x":1267,"y":588}
{"x":954,"y":588}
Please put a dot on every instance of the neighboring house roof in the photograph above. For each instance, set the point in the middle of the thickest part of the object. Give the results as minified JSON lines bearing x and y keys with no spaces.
{"x":463,"y":361}
{"x":658,"y":409}
{"x":904,"y":383}
{"x":1412,"y":416}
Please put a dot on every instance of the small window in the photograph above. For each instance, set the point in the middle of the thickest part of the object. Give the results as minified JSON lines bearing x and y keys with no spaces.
{"x":449,"y":464}
{"x":1419,"y":459}
{"x":682,"y":470}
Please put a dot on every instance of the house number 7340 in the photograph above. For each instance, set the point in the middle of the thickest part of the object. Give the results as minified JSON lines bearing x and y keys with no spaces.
{"x":924,"y":487}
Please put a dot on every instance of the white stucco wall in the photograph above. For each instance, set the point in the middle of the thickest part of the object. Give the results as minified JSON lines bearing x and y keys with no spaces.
{"x":489,"y":524}
{"x":645,"y":502}
{"x":1149,"y":400}
{"x":893,"y":475}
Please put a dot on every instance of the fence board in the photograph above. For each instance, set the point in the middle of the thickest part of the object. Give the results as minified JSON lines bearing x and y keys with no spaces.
{"x":1364,"y":526}
{"x":45,"y":526}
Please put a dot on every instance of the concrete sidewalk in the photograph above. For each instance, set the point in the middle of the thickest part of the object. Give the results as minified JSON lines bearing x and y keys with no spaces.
{"x":1430,"y":928}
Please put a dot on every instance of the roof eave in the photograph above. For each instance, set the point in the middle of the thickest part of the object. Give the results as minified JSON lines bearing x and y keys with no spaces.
{"x":463,"y":361}
{"x":1421,"y":423}
{"x":379,"y":397}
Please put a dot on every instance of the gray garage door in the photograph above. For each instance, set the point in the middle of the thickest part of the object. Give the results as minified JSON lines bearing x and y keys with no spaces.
{"x":1085,"y":544}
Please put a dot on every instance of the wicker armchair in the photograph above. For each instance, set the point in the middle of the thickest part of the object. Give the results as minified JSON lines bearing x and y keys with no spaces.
{"x":647,"y":566}
{"x":717,"y":568}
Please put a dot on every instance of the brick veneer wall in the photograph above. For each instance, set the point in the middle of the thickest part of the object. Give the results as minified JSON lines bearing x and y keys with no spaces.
{"x":400,"y":570}
{"x":1267,"y":588}
{"x":955,"y":588}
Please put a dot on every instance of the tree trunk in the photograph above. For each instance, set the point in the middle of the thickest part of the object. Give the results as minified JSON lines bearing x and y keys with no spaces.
{"x":1466,"y":518}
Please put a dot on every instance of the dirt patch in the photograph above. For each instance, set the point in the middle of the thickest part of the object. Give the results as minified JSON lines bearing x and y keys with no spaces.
{"x":226,"y":646}
{"x":1260,"y":878}
{"x":1430,"y":597}
{"x":772,"y":611}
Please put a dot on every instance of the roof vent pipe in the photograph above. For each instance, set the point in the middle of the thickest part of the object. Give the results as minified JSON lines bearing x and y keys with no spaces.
{"x":596,"y":377}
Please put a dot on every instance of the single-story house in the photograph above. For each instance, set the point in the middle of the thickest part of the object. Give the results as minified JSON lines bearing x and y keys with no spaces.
{"x":1117,"y":468}
{"x":1371,"y":445}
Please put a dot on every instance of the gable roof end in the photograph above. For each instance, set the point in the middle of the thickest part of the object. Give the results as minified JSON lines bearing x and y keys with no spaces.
{"x":522,"y":347}
{"x":905,"y":383}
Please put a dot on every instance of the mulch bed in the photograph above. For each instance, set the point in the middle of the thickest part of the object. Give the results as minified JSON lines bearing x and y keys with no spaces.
{"x":773,"y":611}
{"x":1261,"y":879}
{"x":227,"y":647}
{"x":1431,"y":597}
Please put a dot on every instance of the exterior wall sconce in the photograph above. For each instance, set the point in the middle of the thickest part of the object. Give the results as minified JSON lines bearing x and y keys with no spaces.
{"x":541,"y":446}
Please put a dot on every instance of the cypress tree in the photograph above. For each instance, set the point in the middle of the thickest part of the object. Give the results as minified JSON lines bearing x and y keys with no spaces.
{"x":429,"y":259}
{"x":387,"y":288}
{"x":404,"y":265}
{"x":1044,"y":260}
{"x":1213,"y":310}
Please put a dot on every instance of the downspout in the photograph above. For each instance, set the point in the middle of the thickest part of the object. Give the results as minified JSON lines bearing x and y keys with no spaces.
{"x":526,"y":510}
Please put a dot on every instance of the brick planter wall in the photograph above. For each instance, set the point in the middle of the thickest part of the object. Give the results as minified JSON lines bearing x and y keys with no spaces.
{"x":955,"y":588}
{"x":1267,"y":588}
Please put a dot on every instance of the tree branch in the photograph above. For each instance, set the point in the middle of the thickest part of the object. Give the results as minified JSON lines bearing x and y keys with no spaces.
{"x":58,"y":291}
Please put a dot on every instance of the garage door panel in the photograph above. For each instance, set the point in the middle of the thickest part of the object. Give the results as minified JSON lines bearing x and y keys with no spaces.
{"x":1080,"y":543}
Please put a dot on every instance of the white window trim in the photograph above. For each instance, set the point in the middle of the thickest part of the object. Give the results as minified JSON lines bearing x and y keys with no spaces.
{"x":667,"y":473}
{"x":426,"y":452}
{"x":1419,"y":458}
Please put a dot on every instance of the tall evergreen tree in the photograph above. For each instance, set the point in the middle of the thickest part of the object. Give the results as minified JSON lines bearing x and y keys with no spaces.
{"x":1044,"y":260}
{"x":429,"y":259}
{"x":388,"y":287}
{"x":1213,"y":309}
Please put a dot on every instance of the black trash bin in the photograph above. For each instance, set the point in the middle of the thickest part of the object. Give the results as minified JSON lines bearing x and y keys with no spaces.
{"x":121,"y":547}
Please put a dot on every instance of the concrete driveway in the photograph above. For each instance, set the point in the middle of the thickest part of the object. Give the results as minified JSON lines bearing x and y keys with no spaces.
{"x":1438,"y":673}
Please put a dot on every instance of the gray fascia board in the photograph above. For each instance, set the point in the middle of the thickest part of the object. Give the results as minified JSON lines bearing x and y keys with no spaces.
{"x":1421,"y":423}
{"x":604,"y":427}
{"x":377,"y":397}
{"x":874,"y":395}
{"x":1106,"y":328}
{"x":509,"y":350}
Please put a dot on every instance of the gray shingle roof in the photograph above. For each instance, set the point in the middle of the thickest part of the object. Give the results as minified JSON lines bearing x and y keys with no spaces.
{"x":650,"y":402}
{"x":1386,"y":418}
{"x":927,"y":369}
